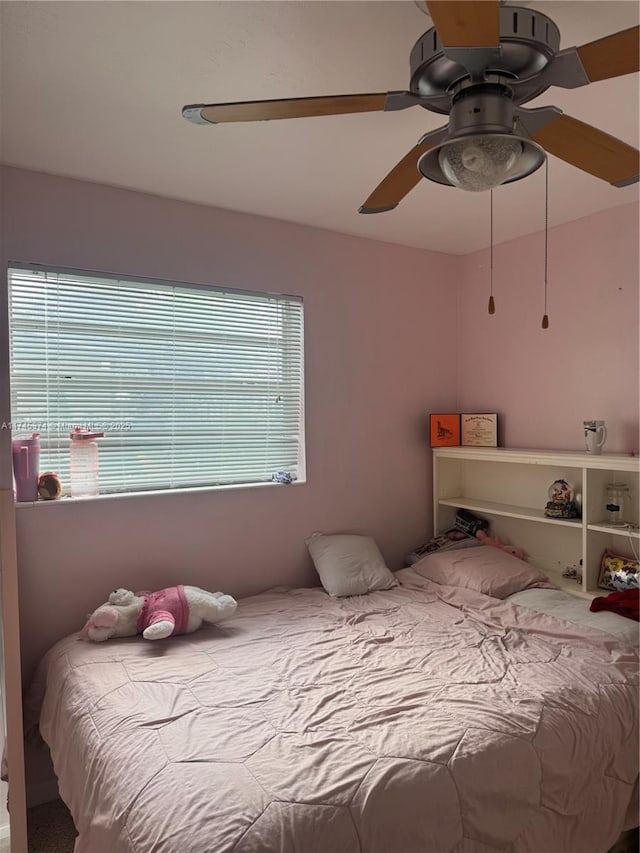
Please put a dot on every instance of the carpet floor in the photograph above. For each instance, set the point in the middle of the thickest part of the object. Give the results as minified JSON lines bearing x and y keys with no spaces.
{"x":50,"y":828}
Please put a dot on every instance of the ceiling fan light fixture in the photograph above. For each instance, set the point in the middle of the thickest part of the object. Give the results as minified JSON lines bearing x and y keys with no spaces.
{"x":479,"y":162}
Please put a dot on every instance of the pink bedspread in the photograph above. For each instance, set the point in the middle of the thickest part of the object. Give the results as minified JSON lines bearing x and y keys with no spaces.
{"x":421,"y":718}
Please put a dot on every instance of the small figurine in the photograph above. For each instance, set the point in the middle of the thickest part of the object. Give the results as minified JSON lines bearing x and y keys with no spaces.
{"x":49,"y":486}
{"x":285,"y":477}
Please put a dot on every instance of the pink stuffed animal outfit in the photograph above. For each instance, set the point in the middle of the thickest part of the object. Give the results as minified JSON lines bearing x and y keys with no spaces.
{"x":166,"y":605}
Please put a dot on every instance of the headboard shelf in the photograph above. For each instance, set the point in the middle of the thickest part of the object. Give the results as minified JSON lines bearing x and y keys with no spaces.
{"x":510,"y":487}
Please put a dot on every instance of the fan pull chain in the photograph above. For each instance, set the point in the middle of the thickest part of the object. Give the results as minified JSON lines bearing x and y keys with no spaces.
{"x":492,"y":304}
{"x":545,"y":318}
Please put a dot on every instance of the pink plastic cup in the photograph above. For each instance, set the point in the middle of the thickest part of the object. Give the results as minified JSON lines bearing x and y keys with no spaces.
{"x":26,"y":467}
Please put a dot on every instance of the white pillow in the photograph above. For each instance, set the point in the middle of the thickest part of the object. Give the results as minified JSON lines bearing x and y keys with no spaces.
{"x":349,"y":564}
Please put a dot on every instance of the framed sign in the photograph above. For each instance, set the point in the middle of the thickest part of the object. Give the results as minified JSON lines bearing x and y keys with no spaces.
{"x":444,"y":430}
{"x":479,"y":430}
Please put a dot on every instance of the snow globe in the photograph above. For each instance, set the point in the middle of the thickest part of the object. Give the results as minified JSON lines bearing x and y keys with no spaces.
{"x":562,"y":501}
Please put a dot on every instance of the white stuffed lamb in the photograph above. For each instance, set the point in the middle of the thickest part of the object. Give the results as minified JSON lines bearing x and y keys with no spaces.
{"x":155,"y":615}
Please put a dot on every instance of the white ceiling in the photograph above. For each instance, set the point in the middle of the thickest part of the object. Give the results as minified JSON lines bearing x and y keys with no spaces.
{"x":93,"y":90}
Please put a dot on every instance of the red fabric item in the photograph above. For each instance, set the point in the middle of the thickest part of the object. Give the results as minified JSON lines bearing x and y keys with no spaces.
{"x":625,"y":603}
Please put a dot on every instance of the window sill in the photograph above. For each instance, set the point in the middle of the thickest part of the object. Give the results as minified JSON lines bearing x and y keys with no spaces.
{"x":67,"y":499}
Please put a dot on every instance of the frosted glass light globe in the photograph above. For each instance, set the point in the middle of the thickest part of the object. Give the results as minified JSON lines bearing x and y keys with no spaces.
{"x":474,"y":159}
{"x":479,"y":162}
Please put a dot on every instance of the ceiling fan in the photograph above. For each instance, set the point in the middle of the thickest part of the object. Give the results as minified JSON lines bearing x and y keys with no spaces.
{"x":478,"y":64}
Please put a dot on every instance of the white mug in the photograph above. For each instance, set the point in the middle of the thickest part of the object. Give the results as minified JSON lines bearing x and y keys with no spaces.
{"x":595,"y":434}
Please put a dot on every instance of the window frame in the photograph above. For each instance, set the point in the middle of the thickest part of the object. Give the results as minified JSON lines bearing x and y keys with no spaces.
{"x":149,"y":490}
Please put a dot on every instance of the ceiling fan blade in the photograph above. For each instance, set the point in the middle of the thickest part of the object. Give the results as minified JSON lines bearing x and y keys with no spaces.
{"x":590,"y":149}
{"x":466,"y":24}
{"x":612,"y":56}
{"x":325,"y":105}
{"x":403,"y":177}
{"x":399,"y":182}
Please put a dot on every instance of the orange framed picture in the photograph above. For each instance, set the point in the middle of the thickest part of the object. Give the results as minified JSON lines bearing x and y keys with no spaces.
{"x":444,"y":430}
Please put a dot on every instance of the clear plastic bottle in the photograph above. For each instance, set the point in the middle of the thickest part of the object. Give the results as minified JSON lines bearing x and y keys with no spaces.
{"x":84,"y":463}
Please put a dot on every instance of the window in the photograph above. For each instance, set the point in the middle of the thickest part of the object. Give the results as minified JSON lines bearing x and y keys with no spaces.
{"x":192,"y":386}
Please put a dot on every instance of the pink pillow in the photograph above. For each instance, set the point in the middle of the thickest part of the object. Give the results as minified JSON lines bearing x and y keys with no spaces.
{"x":487,"y":570}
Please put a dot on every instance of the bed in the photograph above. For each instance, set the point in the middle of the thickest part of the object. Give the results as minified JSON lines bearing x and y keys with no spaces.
{"x":425,"y":717}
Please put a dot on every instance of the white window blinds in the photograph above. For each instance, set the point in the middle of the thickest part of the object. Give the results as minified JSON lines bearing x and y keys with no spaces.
{"x":193,"y":386}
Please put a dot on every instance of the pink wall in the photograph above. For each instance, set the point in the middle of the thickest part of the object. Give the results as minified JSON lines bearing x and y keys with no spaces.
{"x":544,"y":383}
{"x":377,"y":319}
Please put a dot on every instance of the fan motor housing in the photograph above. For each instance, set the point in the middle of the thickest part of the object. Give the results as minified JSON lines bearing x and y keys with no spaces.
{"x":528,"y":42}
{"x":483,"y":108}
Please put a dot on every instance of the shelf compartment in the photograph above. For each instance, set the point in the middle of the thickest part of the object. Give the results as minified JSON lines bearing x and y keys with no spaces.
{"x":604,"y":527}
{"x":510,"y":511}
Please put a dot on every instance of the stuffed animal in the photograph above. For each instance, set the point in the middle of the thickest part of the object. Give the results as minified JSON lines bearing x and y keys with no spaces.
{"x":496,"y":542}
{"x":155,"y":615}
